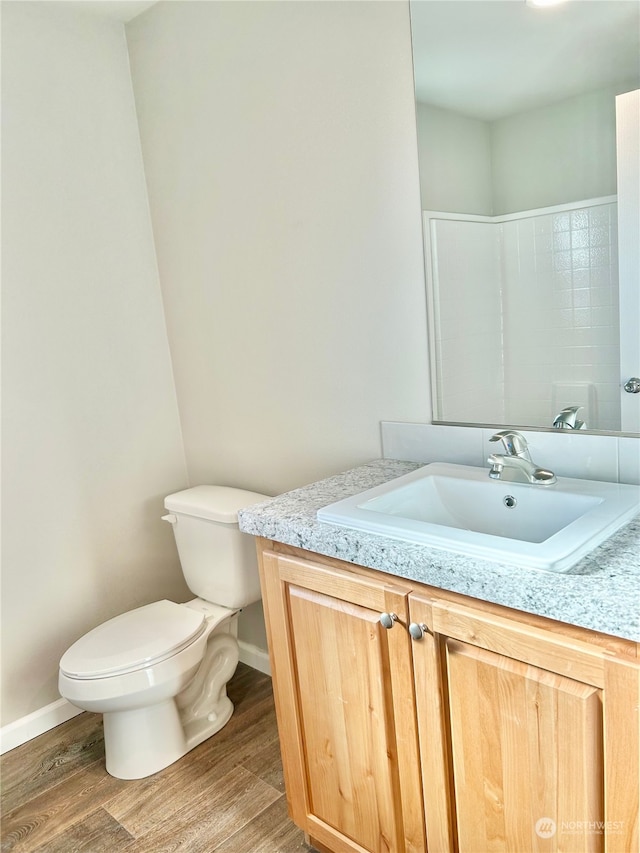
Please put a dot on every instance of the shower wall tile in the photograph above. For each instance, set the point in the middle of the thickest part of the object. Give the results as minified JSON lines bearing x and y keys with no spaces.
{"x":530,"y":306}
{"x":566,"y":292}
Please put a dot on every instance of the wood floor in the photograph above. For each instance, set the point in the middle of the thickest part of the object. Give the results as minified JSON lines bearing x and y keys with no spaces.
{"x":227,"y":795}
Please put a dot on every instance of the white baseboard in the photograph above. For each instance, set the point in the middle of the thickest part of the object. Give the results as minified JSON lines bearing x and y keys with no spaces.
{"x":40,"y":721}
{"x":254,"y":656}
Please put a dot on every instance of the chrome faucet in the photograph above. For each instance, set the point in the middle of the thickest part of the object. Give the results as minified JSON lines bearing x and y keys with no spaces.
{"x":515,"y":464}
{"x":568,"y":419}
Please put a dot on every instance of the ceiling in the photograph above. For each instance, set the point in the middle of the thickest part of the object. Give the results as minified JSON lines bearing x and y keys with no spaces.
{"x":118,"y":10}
{"x":124,"y":10}
{"x":492,"y":58}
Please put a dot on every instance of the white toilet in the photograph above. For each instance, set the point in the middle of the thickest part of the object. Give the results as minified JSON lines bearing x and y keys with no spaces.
{"x":159,"y":673}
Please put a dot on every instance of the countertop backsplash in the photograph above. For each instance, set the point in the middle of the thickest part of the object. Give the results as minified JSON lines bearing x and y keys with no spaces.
{"x":611,"y":458}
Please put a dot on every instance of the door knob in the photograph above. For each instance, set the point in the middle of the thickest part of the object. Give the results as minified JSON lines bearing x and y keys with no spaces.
{"x":632,"y":386}
{"x":387,"y":619}
{"x":418,"y":630}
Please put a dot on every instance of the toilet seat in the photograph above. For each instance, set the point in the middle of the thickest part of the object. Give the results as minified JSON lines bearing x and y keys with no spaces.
{"x":134,"y":640}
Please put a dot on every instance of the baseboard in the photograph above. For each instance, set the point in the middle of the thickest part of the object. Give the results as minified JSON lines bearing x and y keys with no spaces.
{"x":40,"y":721}
{"x":255,"y":657}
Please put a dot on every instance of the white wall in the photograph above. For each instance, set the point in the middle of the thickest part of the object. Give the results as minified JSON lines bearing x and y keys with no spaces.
{"x":91,"y":438}
{"x":455,"y":161}
{"x":560,"y":153}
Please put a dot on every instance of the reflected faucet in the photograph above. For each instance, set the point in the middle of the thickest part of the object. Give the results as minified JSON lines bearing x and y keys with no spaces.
{"x":515,"y":464}
{"x":568,"y":419}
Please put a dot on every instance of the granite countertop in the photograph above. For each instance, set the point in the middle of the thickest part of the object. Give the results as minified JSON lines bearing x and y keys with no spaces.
{"x":601,"y":592}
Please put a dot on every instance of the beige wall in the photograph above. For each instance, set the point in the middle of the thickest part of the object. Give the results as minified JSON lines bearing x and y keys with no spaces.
{"x":91,"y":438}
{"x":280,"y":152}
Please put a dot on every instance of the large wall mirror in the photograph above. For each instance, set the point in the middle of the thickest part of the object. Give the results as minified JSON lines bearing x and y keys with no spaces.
{"x":532,"y":308}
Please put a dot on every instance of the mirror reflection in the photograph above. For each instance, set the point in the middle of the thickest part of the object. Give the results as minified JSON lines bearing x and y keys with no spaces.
{"x":517,"y":109}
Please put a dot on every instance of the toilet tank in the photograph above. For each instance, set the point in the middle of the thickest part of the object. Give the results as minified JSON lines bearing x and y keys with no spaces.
{"x":218,"y":560}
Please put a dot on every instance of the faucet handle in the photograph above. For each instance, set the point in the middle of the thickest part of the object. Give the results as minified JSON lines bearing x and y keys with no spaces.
{"x":567,"y":419}
{"x":514,"y":443}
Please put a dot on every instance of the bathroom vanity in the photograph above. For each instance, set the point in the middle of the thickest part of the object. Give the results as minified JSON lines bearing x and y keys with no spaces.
{"x":431,"y":702}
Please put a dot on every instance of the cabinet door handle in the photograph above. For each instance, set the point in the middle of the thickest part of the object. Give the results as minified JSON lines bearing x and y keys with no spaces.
{"x":387,"y":620}
{"x":418,"y":630}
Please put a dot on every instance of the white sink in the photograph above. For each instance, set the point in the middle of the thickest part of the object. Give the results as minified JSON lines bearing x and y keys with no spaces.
{"x":458,"y":508}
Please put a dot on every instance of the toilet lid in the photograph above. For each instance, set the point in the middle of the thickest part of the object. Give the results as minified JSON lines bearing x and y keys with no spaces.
{"x":133,"y":640}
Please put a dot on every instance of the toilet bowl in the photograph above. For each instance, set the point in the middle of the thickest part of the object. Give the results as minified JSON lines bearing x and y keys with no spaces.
{"x":158,"y":673}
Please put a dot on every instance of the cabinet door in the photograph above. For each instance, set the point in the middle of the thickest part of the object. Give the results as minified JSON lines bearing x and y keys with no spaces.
{"x":344,"y":688}
{"x":528,"y":726}
{"x":527,"y":749}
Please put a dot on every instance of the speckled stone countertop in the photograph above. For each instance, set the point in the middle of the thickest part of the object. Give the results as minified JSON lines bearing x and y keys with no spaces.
{"x":601,"y":592}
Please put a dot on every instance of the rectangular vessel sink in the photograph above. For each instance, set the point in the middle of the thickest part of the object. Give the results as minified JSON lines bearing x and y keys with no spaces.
{"x":458,"y":508}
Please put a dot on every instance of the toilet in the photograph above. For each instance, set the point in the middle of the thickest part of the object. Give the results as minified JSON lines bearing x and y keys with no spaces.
{"x":158,"y":673}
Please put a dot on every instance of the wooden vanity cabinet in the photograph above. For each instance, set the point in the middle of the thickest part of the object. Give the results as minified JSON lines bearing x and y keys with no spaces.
{"x":343,"y":688}
{"x":541,"y":732}
{"x":493,"y":731}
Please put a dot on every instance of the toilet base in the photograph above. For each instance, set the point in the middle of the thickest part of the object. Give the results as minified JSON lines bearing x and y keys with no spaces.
{"x":143,"y":741}
{"x":204,"y":705}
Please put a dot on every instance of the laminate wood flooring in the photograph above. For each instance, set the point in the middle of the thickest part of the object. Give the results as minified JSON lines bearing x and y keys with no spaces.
{"x":226,"y":795}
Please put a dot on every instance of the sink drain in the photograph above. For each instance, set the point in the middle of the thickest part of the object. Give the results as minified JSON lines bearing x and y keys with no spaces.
{"x":509,"y":501}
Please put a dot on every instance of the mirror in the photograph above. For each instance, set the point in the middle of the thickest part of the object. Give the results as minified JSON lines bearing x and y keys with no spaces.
{"x":516,"y":116}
